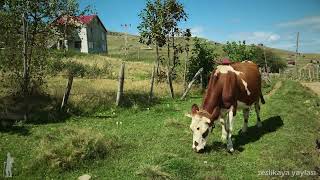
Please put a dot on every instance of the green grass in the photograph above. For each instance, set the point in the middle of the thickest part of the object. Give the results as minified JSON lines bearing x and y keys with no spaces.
{"x":156,"y":142}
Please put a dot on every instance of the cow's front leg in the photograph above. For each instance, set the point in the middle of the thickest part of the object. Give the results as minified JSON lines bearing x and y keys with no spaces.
{"x":229,"y":127}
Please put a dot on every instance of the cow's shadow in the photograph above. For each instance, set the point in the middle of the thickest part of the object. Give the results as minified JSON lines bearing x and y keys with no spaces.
{"x":253,"y":134}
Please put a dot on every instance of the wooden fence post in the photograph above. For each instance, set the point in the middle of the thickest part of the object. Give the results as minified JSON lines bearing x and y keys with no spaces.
{"x":317,"y":72}
{"x":191,"y":82}
{"x":120,"y":86}
{"x":152,"y":83}
{"x":67,"y":92}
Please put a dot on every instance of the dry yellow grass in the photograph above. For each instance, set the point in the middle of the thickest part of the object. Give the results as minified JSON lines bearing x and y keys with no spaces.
{"x":89,"y":94}
{"x":134,"y":70}
{"x":56,"y":86}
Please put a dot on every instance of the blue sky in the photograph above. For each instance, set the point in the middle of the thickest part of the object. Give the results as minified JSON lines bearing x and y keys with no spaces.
{"x":271,"y":22}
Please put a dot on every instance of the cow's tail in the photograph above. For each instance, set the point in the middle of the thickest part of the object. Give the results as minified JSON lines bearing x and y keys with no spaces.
{"x":262,"y":99}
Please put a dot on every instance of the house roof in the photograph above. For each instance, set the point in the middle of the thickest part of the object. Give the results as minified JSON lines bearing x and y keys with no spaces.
{"x":83,"y":19}
{"x":86,"y":19}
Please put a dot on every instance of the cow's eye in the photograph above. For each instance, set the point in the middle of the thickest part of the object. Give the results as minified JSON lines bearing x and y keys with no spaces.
{"x":198,"y":128}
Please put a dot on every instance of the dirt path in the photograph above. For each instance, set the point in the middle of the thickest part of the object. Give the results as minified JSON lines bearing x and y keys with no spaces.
{"x":314,"y":86}
{"x":275,"y":88}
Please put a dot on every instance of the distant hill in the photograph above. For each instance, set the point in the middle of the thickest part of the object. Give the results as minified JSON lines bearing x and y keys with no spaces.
{"x":140,"y":52}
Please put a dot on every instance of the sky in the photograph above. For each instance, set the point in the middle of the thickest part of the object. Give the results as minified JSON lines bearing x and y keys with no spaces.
{"x":274,"y":23}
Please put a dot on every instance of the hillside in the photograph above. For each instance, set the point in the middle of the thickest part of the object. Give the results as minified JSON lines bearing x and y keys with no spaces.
{"x":141,"y":52}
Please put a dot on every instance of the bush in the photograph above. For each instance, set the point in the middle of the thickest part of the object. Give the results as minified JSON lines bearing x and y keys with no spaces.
{"x":68,"y":148}
{"x":203,"y":56}
{"x":239,"y":52}
{"x":274,"y":61}
{"x":76,"y":69}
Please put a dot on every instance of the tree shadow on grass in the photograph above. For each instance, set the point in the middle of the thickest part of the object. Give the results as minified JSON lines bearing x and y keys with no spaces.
{"x":252,"y":135}
{"x":35,"y":109}
{"x":141,"y":100}
{"x":14,"y":129}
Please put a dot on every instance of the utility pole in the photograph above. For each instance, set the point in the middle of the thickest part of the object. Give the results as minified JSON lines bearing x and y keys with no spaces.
{"x":297,"y":47}
{"x":125,"y":26}
{"x":265,"y":61}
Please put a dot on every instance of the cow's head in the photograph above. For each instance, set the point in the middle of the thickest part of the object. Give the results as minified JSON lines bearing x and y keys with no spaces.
{"x":200,"y":126}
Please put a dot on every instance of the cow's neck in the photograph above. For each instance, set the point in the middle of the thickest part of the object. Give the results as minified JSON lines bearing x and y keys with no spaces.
{"x":211,"y":103}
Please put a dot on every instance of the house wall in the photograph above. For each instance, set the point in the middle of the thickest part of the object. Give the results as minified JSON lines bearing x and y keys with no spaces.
{"x":80,"y":36}
{"x":84,"y":40}
{"x":96,"y":37}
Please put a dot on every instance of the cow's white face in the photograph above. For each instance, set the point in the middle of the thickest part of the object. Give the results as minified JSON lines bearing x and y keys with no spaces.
{"x":200,"y":129}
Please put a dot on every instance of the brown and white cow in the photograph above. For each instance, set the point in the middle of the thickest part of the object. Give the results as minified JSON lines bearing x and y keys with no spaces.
{"x":231,"y":87}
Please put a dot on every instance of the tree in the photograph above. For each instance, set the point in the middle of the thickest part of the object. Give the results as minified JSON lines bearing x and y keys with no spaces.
{"x":186,"y":35}
{"x":151,"y":30}
{"x":159,"y":23}
{"x":27,"y":25}
{"x":203,"y":56}
{"x":173,"y":14}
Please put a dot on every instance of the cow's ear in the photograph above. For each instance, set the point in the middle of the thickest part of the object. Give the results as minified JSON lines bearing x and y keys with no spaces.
{"x":194,"y":109}
{"x":188,"y":115}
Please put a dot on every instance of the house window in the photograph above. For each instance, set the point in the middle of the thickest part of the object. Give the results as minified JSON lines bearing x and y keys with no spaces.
{"x":104,"y":47}
{"x":90,"y":45}
{"x":77,"y":44}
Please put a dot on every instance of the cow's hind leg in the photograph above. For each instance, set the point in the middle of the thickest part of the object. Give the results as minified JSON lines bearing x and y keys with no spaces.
{"x":257,"y":108}
{"x":245,"y":120}
{"x":229,"y":127}
{"x":223,"y":129}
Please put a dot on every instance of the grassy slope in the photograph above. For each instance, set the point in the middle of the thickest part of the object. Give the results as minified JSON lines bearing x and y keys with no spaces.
{"x":158,"y":141}
{"x":116,"y":49}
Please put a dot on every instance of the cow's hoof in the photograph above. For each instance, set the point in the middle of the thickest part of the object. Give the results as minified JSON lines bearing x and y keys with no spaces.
{"x":231,"y":150}
{"x":244,"y":129}
{"x":259,"y":124}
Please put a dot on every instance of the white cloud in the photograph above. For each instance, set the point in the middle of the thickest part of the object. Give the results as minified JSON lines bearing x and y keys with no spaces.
{"x":255,"y":37}
{"x":197,"y":31}
{"x":274,"y":37}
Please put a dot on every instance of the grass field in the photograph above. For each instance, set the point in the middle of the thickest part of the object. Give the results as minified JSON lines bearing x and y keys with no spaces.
{"x":155,"y":142}
{"x":142,"y":140}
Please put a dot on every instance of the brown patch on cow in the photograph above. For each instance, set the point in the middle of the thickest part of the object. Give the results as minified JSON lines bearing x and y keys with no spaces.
{"x":225,"y":89}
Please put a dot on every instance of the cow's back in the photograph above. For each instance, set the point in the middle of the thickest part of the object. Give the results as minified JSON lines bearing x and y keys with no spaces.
{"x":250,"y":77}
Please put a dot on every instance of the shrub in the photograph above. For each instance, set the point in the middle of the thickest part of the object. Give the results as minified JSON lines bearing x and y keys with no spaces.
{"x":274,"y":61}
{"x":238,"y":52}
{"x":67,"y":148}
{"x":77,"y":69}
{"x":203,"y":56}
{"x":74,"y":68}
{"x":107,"y":69}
